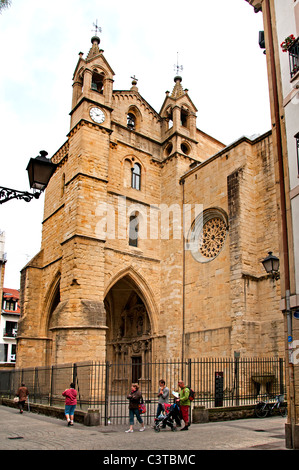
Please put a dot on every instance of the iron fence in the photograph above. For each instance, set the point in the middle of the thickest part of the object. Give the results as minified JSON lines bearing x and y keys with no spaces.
{"x":217,"y":382}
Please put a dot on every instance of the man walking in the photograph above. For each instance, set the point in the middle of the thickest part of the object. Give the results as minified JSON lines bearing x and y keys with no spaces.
{"x":163,"y":397}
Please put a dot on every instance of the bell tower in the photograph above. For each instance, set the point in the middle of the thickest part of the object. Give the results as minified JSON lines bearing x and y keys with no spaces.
{"x":178,"y":120}
{"x":92,"y":87}
{"x":83,"y":173}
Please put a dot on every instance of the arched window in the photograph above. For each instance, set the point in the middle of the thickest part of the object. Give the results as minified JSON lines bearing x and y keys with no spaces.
{"x":184,"y":117}
{"x":169,"y":118}
{"x":133,"y":230}
{"x":136,"y":176}
{"x":127,"y":173}
{"x":97,"y":82}
{"x":62,"y":185}
{"x":131,"y":121}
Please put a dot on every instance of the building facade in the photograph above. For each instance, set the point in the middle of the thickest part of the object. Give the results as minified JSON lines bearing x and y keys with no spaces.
{"x":281,"y":30}
{"x":153,"y":236}
{"x":2,"y":260}
{"x":10,"y":314}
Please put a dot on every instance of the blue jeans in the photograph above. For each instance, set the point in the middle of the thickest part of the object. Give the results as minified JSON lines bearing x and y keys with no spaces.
{"x":69,"y":410}
{"x":159,"y":409}
{"x":135,"y":411}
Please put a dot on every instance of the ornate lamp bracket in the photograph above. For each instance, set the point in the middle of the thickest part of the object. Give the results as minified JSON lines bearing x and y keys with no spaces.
{"x":6,"y":194}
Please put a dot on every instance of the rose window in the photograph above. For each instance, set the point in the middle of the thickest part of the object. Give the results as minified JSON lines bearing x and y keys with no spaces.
{"x":212,"y":238}
{"x":207,"y":235}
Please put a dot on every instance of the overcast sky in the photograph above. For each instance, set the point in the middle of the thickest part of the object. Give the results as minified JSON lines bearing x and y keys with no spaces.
{"x":217,"y":44}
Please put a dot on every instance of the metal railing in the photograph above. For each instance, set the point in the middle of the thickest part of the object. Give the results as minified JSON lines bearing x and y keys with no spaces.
{"x":9,"y":333}
{"x":217,"y":382}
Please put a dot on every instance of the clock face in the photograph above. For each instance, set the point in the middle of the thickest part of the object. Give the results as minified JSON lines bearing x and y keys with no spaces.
{"x":97,"y":115}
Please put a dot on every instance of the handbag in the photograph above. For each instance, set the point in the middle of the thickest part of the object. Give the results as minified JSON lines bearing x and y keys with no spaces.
{"x":141,"y":406}
{"x":16,"y":399}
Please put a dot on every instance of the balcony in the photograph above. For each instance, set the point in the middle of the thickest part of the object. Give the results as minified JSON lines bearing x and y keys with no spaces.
{"x":7,"y":333}
{"x":294,"y":57}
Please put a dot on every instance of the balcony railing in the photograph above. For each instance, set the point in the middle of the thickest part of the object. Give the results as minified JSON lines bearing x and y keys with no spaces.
{"x":10,"y":333}
{"x":294,"y":57}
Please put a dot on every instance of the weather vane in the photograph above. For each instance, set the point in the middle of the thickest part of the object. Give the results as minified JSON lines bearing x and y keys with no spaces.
{"x":97,"y":29}
{"x":134,"y":78}
{"x":178,"y":67}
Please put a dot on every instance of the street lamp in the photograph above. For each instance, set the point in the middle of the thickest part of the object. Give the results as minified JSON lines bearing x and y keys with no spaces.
{"x":271,"y":265}
{"x":40,"y":170}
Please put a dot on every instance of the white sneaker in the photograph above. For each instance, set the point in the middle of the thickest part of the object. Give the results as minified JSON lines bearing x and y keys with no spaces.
{"x":142,"y":429}
{"x":129,"y":430}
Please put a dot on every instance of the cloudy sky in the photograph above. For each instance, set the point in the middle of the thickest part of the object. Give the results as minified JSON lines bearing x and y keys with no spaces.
{"x":217,"y":44}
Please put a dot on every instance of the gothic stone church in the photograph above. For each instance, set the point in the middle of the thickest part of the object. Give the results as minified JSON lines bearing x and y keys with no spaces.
{"x":152,"y":237}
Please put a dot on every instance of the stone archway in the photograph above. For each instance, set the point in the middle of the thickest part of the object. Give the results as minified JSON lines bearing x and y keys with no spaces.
{"x":129,"y":334}
{"x":52,"y":304}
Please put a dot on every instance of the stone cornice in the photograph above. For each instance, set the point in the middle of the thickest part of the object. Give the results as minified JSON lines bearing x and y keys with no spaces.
{"x":84,"y":122}
{"x":89,"y":100}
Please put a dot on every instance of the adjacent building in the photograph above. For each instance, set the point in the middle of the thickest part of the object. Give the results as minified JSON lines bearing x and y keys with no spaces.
{"x":10,"y":314}
{"x":281,"y":34}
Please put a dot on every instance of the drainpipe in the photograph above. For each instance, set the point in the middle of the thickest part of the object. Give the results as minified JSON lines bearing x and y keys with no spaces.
{"x":182,"y":182}
{"x":283,"y":206}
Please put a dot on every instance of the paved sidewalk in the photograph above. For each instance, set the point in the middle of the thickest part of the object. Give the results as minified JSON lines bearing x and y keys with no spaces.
{"x":31,"y":431}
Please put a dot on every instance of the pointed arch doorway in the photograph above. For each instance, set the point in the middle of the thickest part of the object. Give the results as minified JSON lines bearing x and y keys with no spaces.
{"x":129,"y":335}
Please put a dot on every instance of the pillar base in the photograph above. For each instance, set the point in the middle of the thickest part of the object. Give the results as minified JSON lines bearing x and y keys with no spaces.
{"x":200,"y":415}
{"x":92,"y":418}
{"x":292,"y":442}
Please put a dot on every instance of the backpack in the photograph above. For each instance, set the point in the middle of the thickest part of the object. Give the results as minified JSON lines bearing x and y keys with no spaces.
{"x":191,"y":394}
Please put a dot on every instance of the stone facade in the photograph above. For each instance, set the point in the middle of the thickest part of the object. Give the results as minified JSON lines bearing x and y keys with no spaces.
{"x":191,"y":283}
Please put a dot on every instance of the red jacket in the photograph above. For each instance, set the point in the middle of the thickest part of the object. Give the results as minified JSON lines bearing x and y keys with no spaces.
{"x":70,"y":396}
{"x":23,"y":393}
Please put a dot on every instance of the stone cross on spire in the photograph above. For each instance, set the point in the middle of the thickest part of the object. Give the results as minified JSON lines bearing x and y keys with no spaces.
{"x":134,"y":83}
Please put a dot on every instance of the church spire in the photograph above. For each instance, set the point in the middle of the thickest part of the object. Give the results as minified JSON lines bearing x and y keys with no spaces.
{"x":177,"y":89}
{"x":95,"y":41}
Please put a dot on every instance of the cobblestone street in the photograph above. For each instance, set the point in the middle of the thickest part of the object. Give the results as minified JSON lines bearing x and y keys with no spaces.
{"x":31,"y":431}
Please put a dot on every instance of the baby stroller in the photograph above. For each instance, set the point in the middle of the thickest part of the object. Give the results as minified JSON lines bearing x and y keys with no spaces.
{"x":170,"y":417}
